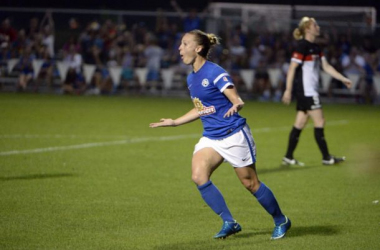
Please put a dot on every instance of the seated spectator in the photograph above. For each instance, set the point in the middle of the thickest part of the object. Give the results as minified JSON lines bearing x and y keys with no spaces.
{"x":74,"y":82}
{"x":261,"y":86}
{"x":26,"y":68}
{"x":47,"y":67}
{"x":7,"y":32}
{"x":127,"y":63}
{"x":153,"y":54}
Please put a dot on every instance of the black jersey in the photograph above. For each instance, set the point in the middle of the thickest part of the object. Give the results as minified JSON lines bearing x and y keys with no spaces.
{"x":306,"y":79}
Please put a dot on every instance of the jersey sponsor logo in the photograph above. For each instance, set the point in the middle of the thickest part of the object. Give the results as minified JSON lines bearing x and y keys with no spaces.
{"x":202,"y":110}
{"x":205,"y":82}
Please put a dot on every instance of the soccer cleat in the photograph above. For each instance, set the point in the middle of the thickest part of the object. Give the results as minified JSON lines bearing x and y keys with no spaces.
{"x":287,"y":161}
{"x":333,"y":160}
{"x":280,"y":230}
{"x":229,"y":228}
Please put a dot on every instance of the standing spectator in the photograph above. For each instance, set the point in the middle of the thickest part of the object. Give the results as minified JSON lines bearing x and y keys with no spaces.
{"x":191,"y":21}
{"x":47,"y":31}
{"x":153,"y":54}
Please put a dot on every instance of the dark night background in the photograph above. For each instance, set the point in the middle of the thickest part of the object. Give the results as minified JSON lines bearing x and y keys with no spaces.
{"x":151,"y":5}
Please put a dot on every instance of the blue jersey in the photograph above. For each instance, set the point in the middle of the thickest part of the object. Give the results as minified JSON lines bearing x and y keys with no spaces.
{"x":206,"y":89}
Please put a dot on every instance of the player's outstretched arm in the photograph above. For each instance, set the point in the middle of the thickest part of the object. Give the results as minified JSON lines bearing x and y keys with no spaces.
{"x":190,"y":116}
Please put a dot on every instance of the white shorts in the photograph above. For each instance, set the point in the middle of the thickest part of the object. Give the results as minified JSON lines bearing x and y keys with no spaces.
{"x":239,"y":149}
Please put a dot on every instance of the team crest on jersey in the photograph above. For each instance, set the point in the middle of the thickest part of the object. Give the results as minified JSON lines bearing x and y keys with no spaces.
{"x":202,"y":110}
{"x":205,"y":82}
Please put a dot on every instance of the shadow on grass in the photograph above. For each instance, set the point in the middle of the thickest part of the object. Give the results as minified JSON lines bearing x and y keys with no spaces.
{"x":283,"y":168}
{"x":313,"y":230}
{"x":35,"y":177}
{"x":226,"y":244}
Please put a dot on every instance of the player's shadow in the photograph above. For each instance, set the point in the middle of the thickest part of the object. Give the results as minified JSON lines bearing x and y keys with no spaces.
{"x":283,"y":168}
{"x":313,"y":230}
{"x":35,"y":176}
{"x":297,"y":231}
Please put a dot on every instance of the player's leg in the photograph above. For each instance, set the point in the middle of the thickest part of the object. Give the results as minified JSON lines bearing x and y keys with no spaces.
{"x":204,"y":162}
{"x":249,"y":179}
{"x":299,"y":124}
{"x":319,"y":134}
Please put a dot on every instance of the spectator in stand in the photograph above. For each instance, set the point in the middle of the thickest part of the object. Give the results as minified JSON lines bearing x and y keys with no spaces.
{"x":26,"y":68}
{"x":93,"y":51}
{"x":47,"y":67}
{"x":73,"y":40}
{"x":283,"y":66}
{"x":47,"y":31}
{"x":21,"y":43}
{"x":33,"y":28}
{"x":262,"y":86}
{"x":153,"y":54}
{"x":193,"y":20}
{"x":114,"y":58}
{"x":7,"y":32}
{"x":353,"y":63}
{"x":238,"y":57}
{"x":256,"y":53}
{"x":162,"y":30}
{"x":5,"y":55}
{"x":128,"y":64}
{"x":74,"y":82}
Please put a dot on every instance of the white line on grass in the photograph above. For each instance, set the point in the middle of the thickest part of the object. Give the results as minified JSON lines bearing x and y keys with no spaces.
{"x":135,"y":140}
{"x":98,"y":144}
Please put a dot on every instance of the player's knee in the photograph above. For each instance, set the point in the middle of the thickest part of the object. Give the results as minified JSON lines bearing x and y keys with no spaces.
{"x":320,"y":123}
{"x":199,"y":179}
{"x":250,"y":184}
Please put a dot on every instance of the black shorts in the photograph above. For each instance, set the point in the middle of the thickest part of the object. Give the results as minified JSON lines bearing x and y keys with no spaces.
{"x":306,"y":103}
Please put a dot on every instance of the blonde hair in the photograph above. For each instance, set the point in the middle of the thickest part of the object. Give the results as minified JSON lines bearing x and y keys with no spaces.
{"x":299,"y":32}
{"x":207,"y":40}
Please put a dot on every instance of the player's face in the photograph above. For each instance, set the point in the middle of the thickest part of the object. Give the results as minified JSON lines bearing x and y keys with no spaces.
{"x":188,"y":49}
{"x":314,"y":28}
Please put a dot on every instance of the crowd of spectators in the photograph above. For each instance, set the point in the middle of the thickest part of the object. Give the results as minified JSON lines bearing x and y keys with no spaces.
{"x":108,"y":43}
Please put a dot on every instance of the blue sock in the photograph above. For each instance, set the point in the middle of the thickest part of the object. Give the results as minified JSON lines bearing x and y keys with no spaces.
{"x":266,"y":198}
{"x":214,"y":199}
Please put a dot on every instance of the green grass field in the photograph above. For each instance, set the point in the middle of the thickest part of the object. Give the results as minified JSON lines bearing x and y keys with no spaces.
{"x":89,"y":173}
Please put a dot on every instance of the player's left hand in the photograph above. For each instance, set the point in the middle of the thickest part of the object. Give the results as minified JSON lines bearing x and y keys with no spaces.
{"x":163,"y":123}
{"x":234,"y":109}
{"x":347,"y":82}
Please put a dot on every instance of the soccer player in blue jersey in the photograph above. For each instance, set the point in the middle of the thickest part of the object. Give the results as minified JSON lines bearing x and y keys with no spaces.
{"x":226,"y":135}
{"x":303,"y":74}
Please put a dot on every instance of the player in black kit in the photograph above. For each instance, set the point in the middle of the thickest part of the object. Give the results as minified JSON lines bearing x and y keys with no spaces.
{"x":303,"y":74}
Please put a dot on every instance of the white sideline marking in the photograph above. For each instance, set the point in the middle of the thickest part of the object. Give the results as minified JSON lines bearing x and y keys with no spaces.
{"x":127,"y":141}
{"x":98,"y":144}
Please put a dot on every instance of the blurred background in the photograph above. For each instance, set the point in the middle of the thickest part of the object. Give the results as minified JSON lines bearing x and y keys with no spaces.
{"x":108,"y":47}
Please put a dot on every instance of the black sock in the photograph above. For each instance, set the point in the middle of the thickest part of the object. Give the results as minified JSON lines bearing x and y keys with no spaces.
{"x":293,"y":141}
{"x":322,"y":144}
